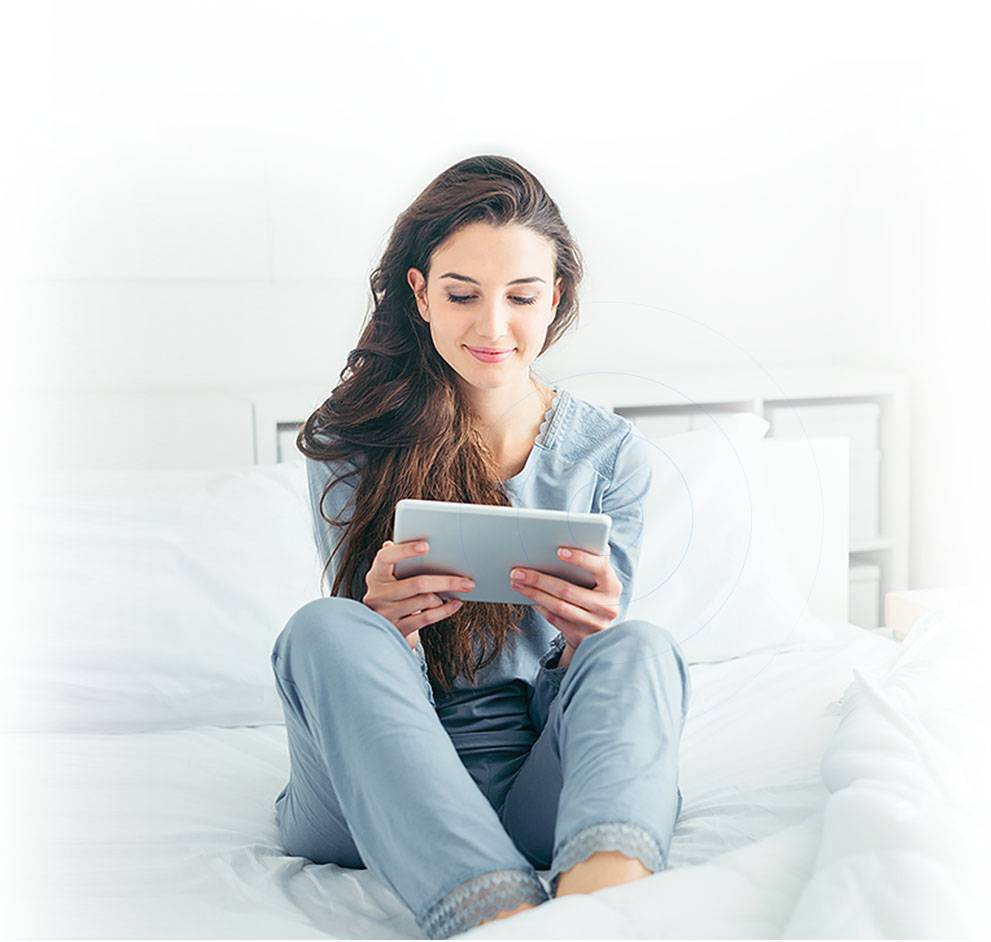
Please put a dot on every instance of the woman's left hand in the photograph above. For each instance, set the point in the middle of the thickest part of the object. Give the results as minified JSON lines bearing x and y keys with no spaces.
{"x":574,"y":610}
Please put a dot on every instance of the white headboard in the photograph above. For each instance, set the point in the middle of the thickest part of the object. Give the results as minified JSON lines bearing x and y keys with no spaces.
{"x":223,"y":428}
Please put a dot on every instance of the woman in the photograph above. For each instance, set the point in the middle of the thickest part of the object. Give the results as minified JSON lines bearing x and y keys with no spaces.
{"x":453,"y":748}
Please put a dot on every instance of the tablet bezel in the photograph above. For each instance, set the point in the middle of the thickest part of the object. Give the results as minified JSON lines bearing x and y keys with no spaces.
{"x":421,"y":520}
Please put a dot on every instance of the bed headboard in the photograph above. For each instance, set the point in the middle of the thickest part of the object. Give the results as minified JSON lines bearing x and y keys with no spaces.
{"x":237,"y":428}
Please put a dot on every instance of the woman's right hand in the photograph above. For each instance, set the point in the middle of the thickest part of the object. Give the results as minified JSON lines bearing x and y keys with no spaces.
{"x":410,"y":603}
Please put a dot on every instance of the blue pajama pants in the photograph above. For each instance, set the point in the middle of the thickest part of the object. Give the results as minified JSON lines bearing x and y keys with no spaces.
{"x":457,"y":833}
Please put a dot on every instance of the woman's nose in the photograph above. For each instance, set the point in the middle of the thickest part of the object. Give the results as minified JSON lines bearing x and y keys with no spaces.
{"x":494,"y":321}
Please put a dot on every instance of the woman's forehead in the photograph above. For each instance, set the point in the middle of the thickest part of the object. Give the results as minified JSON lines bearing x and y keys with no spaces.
{"x":482,"y":252}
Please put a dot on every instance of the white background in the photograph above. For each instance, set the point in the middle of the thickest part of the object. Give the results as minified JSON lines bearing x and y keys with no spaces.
{"x":195,"y":193}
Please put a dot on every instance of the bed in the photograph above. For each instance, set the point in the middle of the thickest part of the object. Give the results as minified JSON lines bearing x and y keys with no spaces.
{"x":830,"y":774}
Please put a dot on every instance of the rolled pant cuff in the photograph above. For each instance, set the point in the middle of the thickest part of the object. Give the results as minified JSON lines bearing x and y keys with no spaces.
{"x":629,"y":839}
{"x":480,"y":898}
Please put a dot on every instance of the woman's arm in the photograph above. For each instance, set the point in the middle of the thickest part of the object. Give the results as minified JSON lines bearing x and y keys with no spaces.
{"x":624,"y":501}
{"x":340,"y":496}
{"x":579,"y":612}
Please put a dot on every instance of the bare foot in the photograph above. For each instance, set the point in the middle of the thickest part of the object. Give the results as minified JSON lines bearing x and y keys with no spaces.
{"x":603,"y":868}
{"x":506,"y":913}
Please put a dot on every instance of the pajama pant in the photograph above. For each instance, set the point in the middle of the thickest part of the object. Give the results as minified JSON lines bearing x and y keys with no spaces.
{"x":455,"y":806}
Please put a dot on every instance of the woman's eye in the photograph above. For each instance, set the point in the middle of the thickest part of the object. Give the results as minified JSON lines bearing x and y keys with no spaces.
{"x":464,"y":298}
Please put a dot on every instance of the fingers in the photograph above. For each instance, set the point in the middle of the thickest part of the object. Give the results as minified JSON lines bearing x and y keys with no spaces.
{"x":540,"y":586}
{"x":383,"y":566}
{"x":395,"y":590}
{"x":593,"y":562}
{"x":417,"y":602}
{"x":428,"y":616}
{"x":595,"y":616}
{"x":600,"y":600}
{"x":410,"y":603}
{"x":568,"y":628}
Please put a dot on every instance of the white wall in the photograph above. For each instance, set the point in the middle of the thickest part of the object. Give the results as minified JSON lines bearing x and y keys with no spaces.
{"x":200,"y":190}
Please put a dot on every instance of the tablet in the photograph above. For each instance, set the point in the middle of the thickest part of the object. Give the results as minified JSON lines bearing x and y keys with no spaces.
{"x":485,"y":542}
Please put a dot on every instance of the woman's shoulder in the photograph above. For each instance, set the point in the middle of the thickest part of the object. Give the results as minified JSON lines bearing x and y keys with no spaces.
{"x":321,"y":468}
{"x":606,"y":439}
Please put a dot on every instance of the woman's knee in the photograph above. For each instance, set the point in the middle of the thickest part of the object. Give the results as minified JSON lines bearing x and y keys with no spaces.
{"x":653,"y":636}
{"x":646,"y":639}
{"x":323,"y":625}
{"x":645,"y":636}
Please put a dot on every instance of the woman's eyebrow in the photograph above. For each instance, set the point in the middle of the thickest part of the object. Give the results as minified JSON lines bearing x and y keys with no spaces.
{"x":515,"y":281}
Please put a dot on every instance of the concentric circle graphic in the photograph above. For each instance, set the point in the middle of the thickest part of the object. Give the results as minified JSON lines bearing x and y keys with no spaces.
{"x":654,"y":587}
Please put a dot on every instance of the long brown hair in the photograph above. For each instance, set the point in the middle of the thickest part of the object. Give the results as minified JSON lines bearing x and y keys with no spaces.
{"x":398,"y":416}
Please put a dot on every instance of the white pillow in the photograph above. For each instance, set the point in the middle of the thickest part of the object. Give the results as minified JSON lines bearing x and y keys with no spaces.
{"x":151,"y":599}
{"x":711,"y":567}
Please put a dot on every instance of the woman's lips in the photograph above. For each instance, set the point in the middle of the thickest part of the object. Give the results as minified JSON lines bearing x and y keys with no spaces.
{"x":490,"y":357}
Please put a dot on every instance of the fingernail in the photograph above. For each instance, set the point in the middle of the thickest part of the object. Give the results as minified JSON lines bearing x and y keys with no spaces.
{"x":516,"y":574}
{"x":420,"y":547}
{"x":458,"y":603}
{"x":566,"y":553}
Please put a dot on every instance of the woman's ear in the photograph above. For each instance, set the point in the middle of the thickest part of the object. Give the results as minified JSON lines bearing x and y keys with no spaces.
{"x":418,"y":285}
{"x":557,"y":295}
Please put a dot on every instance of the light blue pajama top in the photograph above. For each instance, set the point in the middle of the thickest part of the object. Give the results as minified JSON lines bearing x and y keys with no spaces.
{"x":585,"y":458}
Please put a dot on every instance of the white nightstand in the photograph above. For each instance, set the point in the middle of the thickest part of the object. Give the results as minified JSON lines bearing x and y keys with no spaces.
{"x":903,"y":609}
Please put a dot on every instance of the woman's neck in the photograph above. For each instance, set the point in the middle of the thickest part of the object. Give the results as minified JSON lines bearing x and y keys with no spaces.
{"x":510,"y":425}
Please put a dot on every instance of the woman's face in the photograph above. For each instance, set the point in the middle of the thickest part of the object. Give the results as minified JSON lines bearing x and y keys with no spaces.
{"x":489,"y":287}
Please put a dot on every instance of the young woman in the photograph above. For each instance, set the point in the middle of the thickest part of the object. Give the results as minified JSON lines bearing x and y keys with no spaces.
{"x":452,"y":748}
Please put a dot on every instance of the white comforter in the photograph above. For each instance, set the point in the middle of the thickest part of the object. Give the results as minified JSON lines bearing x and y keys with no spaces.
{"x":895,"y":851}
{"x":804,"y":816}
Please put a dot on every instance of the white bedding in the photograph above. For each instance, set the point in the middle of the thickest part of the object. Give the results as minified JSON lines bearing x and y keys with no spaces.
{"x":171,"y":833}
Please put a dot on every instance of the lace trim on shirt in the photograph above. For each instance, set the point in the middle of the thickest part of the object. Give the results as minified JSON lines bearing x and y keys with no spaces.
{"x":548,"y":417}
{"x":557,"y":646}
{"x":422,"y":658}
{"x":480,"y":898}
{"x":553,"y":675}
{"x":629,"y":839}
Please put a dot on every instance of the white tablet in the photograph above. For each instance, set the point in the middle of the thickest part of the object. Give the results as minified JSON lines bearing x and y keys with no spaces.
{"x":485,"y":542}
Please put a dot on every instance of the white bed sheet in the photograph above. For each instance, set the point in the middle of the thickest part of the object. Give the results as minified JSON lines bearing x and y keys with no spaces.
{"x":172,"y":835}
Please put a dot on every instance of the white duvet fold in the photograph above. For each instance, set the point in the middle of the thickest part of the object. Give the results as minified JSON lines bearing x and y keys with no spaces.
{"x":905,"y":828}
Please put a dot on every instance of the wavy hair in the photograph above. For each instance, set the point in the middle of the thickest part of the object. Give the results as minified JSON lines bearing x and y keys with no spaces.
{"x":398,"y":416}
